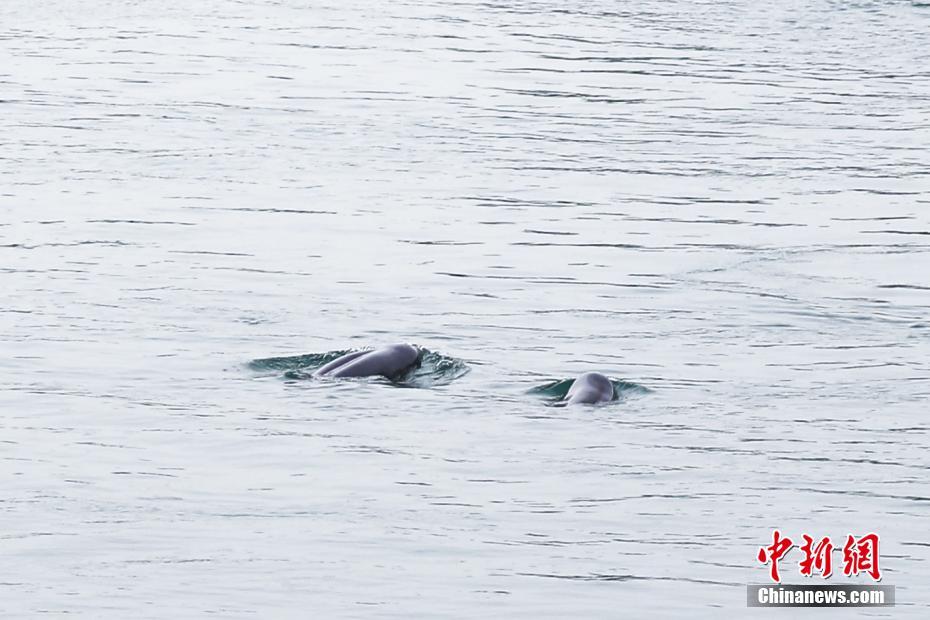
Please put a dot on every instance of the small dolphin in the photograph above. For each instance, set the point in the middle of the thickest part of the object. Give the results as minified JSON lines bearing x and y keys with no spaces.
{"x":590,"y":388}
{"x":392,"y":362}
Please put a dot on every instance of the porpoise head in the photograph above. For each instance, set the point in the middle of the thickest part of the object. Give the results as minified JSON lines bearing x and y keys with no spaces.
{"x":590,"y":388}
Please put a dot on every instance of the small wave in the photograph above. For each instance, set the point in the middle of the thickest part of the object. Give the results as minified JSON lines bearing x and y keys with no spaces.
{"x":555,"y":391}
{"x":434,"y":368}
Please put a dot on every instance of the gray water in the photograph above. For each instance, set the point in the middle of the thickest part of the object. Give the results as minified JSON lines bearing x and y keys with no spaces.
{"x":723,"y":202}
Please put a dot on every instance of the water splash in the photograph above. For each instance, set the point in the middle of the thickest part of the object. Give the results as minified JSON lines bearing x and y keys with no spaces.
{"x":433,"y":368}
{"x":296,"y":363}
{"x":555,"y":391}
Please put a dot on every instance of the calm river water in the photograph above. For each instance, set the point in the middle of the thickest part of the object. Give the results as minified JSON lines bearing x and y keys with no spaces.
{"x":727,"y":203}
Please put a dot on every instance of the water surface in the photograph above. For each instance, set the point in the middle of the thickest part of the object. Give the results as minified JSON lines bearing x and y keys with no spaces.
{"x":726,"y":203}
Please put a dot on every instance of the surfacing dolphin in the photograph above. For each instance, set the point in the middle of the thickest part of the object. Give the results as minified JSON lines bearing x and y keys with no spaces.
{"x":392,"y":362}
{"x":590,"y":388}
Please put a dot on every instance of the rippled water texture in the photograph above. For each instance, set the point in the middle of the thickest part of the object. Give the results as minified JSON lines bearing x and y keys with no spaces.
{"x":723,"y":202}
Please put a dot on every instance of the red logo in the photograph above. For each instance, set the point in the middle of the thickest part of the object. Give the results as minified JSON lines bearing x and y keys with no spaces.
{"x":819,"y":557}
{"x":774,"y":552}
{"x":860,"y":555}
